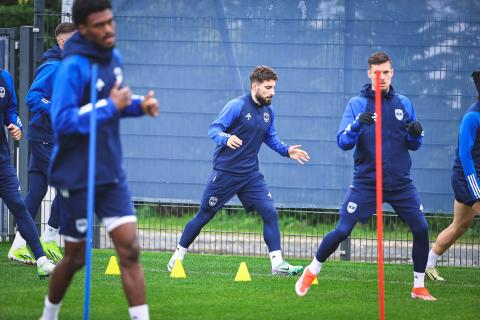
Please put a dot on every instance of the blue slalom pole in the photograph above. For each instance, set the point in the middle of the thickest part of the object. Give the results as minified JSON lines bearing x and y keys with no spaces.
{"x":92,"y":144}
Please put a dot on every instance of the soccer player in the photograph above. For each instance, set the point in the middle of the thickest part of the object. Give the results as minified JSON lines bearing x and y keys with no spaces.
{"x":240,"y":129}
{"x":9,"y":186}
{"x":465,"y":184}
{"x":40,"y":136}
{"x":94,"y":44}
{"x":401,"y":133}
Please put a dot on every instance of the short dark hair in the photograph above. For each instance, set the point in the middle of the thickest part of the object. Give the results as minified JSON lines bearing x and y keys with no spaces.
{"x":378,"y":58}
{"x":65,"y":27}
{"x":263,"y":73}
{"x":82,"y":8}
{"x":476,"y":80}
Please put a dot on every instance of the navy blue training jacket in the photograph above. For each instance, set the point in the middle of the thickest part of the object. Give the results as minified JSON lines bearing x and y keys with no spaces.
{"x":467,"y":154}
{"x":8,"y":111}
{"x":397,"y":112}
{"x":39,"y":96}
{"x":251,"y":123}
{"x":71,"y":109}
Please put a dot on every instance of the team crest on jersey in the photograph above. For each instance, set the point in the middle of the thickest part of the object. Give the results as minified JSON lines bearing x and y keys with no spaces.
{"x":100,"y":84}
{"x":81,"y":225}
{"x":248,"y":116}
{"x":2,"y":92}
{"x":399,"y":114}
{"x":351,"y":207}
{"x":212,"y":201}
{"x":117,"y":71}
{"x":266,"y":117}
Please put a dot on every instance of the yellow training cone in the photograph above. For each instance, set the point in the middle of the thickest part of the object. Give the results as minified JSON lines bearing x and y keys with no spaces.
{"x":315,"y":281}
{"x":178,"y":271}
{"x":242,"y":273}
{"x":112,"y":267}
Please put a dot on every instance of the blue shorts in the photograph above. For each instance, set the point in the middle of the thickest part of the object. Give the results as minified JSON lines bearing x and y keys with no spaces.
{"x":461,"y":190}
{"x":360,"y":204}
{"x":251,"y":189}
{"x":40,"y":157}
{"x":113,"y":206}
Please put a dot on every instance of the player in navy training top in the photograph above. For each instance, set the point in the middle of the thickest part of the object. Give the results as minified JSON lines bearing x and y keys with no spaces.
{"x":94,"y":43}
{"x":401,"y":133}
{"x":465,"y":184}
{"x":239,"y":131}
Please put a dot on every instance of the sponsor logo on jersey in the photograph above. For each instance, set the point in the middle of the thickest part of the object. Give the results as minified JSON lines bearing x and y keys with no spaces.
{"x":421,"y":207}
{"x":266,"y":117}
{"x":351,"y":207}
{"x":269,"y":195}
{"x":2,"y":92}
{"x":212,"y":201}
{"x":248,"y":116}
{"x":81,"y":225}
{"x":399,"y":114}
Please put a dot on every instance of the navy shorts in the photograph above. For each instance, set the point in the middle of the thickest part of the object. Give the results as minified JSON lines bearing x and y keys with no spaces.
{"x":251,"y":189}
{"x":360,"y":204}
{"x":40,"y":157}
{"x":113,"y":206}
{"x":461,"y":190}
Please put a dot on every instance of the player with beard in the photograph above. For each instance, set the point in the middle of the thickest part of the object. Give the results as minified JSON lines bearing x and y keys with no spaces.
{"x":240,"y":129}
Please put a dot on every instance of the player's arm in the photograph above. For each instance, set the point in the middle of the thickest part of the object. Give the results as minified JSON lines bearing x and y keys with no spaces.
{"x":466,"y":140}
{"x":142,"y":105}
{"x":218,"y":129}
{"x":68,"y":116}
{"x":38,"y":98}
{"x":415,"y":132}
{"x":353,"y":120}
{"x":11,"y":119}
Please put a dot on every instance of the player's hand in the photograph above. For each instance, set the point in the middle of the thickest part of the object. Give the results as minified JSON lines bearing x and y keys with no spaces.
{"x":15,"y":131}
{"x":121,"y":97}
{"x":476,"y":207}
{"x":234,"y":142}
{"x":414,"y":129}
{"x":367,"y":118}
{"x":295,"y":153}
{"x":150,"y":105}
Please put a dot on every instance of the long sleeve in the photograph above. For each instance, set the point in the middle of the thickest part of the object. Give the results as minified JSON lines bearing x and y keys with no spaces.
{"x":468,"y":133}
{"x":272,"y":140}
{"x":217,"y":130}
{"x":350,"y":129}
{"x":40,"y":94}
{"x":11,"y":112}
{"x":413,"y":143}
{"x":68,"y":116}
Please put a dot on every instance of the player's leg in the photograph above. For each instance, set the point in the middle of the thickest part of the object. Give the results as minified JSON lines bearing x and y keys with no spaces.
{"x":255,"y":195}
{"x":408,"y":206}
{"x":219,"y":190}
{"x":50,"y":235}
{"x":73,"y":260}
{"x":10,"y":193}
{"x":463,"y":216}
{"x":114,"y":207}
{"x":357,"y":206}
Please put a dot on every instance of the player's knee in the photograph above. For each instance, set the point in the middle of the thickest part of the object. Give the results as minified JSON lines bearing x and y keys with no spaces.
{"x":420,"y":229}
{"x":75,"y":262}
{"x":342,"y":232}
{"x":204,"y":216}
{"x":129,"y":254}
{"x":268,"y":213}
{"x":17,"y":206}
{"x":462,"y":227}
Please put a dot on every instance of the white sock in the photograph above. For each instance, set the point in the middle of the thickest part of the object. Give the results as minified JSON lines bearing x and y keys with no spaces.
{"x":50,"y":234}
{"x":41,"y":260}
{"x":18,"y":242}
{"x":275,"y":258}
{"x":50,"y":310}
{"x":179,"y":253}
{"x":139,"y":312}
{"x":315,"y":266}
{"x":432,"y":259}
{"x":418,"y":279}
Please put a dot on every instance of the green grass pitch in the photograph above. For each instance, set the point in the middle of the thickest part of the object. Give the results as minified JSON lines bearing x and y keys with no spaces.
{"x":346,"y":290}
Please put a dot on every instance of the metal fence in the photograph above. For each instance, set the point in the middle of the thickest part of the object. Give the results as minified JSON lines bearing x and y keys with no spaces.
{"x":235,"y":232}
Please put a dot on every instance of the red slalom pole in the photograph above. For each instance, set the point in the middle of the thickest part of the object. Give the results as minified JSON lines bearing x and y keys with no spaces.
{"x":379,"y":188}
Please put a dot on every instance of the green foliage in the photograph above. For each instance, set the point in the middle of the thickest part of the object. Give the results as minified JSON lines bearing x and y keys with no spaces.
{"x":346,"y":291}
{"x":15,"y":16}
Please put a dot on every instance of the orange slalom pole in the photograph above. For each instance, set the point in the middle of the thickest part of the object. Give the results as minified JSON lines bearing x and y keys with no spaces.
{"x":379,"y":190}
